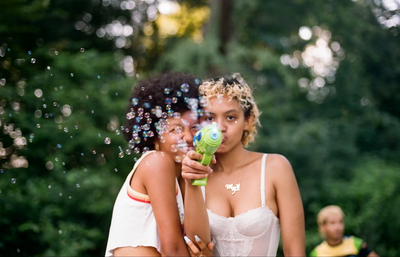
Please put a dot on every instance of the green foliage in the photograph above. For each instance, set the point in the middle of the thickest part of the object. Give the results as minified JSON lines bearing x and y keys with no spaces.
{"x":187,"y":56}
{"x":60,"y":203}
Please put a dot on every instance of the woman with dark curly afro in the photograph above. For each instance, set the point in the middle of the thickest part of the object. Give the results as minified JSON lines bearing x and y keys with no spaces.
{"x":161,"y":119}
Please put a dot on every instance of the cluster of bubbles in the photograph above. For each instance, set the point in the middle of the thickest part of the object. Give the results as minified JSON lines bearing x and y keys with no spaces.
{"x":20,"y":141}
{"x":141,"y":130}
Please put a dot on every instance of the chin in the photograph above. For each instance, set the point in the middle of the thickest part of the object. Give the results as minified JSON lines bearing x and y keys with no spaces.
{"x":337,"y":237}
{"x":221,"y":149}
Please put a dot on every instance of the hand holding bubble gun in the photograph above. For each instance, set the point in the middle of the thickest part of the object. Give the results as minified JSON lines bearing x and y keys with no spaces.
{"x":206,"y":142}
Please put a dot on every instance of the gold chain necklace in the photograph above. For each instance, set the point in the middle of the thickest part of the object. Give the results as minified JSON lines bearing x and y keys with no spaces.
{"x":236,"y":188}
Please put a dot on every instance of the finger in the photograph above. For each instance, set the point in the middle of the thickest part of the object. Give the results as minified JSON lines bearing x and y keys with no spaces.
{"x":192,"y":247}
{"x":198,"y":167}
{"x":210,"y":246}
{"x":190,"y":177}
{"x":201,"y":244}
{"x":190,"y":174}
{"x":214,"y":159}
{"x":190,"y":166}
{"x":193,"y":155}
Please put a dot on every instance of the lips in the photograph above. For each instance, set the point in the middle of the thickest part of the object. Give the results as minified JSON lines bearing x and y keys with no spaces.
{"x":223,"y":138}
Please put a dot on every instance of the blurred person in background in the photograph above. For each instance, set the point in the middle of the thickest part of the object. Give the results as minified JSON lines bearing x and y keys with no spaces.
{"x":331,"y":227}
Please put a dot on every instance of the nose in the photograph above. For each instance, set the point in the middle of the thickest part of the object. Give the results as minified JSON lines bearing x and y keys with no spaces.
{"x":221,"y":125}
{"x":187,"y":136}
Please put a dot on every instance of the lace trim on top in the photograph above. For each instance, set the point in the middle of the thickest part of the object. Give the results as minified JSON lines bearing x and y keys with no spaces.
{"x":255,"y":232}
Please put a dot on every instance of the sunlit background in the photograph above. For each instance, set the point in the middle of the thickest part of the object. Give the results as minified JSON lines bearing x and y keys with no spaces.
{"x":325,"y":74}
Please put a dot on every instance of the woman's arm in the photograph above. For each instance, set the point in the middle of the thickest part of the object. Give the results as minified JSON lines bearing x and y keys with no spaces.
{"x":196,"y":217}
{"x":290,"y":207}
{"x":160,"y":182}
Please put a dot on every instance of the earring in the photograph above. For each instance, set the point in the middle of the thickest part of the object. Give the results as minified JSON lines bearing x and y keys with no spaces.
{"x":157,"y":147}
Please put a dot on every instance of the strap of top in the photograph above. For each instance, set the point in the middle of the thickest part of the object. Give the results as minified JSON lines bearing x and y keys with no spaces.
{"x":203,"y":190}
{"x":262,"y":188}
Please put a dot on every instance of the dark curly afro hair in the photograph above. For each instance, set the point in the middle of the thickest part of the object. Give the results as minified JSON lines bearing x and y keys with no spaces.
{"x":153,"y":100}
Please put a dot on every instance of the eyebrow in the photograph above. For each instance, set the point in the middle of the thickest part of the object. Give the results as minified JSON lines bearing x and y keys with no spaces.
{"x":228,"y":111}
{"x":182,"y":123}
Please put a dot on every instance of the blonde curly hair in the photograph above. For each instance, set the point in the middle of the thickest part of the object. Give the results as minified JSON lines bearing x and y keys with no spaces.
{"x":234,"y":88}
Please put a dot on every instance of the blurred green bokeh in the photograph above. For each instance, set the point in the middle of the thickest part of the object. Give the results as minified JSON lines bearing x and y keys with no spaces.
{"x":325,"y":74}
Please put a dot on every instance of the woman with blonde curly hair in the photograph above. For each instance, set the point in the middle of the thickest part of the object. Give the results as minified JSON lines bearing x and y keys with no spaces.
{"x":250,"y":197}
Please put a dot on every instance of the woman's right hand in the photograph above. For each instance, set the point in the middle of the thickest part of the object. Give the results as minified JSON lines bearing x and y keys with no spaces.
{"x":192,"y":169}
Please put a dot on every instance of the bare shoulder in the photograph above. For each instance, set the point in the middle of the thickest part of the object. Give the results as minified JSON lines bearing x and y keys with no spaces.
{"x":272,"y":160}
{"x":155,"y":164}
{"x":278,"y":161}
{"x":279,"y":166}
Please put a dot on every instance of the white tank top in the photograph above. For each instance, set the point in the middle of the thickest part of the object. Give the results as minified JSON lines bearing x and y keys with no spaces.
{"x":133,"y":223}
{"x":253,"y":233}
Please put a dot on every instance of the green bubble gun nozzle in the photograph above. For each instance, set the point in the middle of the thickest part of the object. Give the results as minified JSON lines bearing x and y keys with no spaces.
{"x":206,"y":142}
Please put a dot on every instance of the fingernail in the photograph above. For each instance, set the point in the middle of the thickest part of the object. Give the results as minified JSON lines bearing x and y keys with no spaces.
{"x":187,"y":240}
{"x":197,"y":238}
{"x":211,"y":170}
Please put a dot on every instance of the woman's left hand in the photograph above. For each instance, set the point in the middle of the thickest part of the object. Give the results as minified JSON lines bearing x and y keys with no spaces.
{"x":205,"y":250}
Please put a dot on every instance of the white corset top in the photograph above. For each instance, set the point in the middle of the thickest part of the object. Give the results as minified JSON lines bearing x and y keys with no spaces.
{"x":253,"y":233}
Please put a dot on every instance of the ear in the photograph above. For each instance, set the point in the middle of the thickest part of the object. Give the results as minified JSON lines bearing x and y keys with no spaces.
{"x":321,"y":230}
{"x":157,"y":144}
{"x":248,"y":122}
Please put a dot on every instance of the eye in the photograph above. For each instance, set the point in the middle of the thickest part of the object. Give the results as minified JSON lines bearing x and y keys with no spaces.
{"x":177,"y":130}
{"x":209,"y":118}
{"x":230,"y":117}
{"x":195,"y":127}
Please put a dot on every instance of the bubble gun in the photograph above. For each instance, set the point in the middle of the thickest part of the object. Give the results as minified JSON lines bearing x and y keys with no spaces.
{"x":206,"y":142}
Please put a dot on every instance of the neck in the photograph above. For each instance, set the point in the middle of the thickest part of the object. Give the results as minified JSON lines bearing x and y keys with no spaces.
{"x":334,"y":242}
{"x":232,"y":160}
{"x":178,"y":169}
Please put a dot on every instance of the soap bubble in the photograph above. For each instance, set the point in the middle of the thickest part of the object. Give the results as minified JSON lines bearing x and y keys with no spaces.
{"x":178,"y":159}
{"x":107,"y":141}
{"x":185,"y":88}
{"x":174,"y":149}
